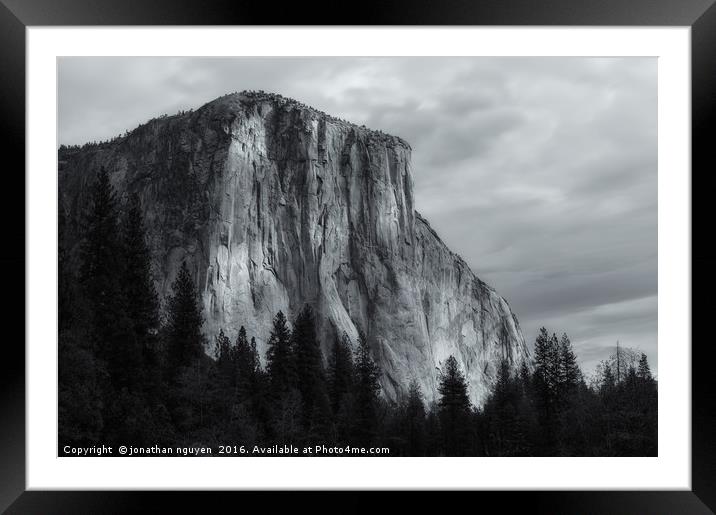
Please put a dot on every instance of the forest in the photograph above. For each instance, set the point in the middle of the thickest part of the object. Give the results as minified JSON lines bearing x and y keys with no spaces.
{"x":128,"y":376}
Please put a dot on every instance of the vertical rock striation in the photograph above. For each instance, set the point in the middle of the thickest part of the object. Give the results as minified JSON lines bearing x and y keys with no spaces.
{"x":274,"y":205}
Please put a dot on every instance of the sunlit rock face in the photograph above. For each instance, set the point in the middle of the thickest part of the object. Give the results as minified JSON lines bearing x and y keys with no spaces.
{"x":273,"y":205}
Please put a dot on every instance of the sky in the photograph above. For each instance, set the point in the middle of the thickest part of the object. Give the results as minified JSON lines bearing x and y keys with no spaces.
{"x":541,"y":172}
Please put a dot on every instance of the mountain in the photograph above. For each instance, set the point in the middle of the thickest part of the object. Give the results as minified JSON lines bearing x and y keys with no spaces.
{"x":274,"y":204}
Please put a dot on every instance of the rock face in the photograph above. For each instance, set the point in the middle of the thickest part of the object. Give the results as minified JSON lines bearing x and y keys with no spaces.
{"x":273,"y":204}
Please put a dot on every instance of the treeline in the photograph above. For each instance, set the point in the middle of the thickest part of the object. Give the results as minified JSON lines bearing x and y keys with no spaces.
{"x":550,"y":410}
{"x":64,"y":149}
{"x":127,"y":378}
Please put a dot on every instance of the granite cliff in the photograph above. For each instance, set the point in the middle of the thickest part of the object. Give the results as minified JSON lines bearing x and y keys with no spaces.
{"x":274,"y":204}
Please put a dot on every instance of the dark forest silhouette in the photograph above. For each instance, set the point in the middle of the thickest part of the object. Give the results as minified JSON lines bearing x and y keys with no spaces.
{"x":125,"y":378}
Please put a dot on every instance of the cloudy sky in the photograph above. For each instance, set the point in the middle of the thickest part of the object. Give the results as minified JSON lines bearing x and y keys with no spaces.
{"x":540,"y":172}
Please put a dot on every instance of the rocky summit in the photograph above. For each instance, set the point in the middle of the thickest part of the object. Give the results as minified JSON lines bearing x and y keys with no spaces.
{"x":273,"y":205}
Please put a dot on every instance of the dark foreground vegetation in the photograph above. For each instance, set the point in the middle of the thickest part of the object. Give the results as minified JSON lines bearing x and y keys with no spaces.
{"x":128,"y":378}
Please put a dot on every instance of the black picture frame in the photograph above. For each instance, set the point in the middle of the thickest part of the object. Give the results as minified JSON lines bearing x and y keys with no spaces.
{"x":16,"y":15}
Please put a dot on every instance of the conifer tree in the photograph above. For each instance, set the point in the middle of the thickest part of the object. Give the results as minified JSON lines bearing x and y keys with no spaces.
{"x":546,"y":380}
{"x":499,"y":410}
{"x":308,"y":358}
{"x":142,"y":303}
{"x":259,"y":390}
{"x":454,"y":408}
{"x":100,"y":249}
{"x":310,"y":375}
{"x":247,"y":365}
{"x":644,"y":371}
{"x":367,"y":388}
{"x":225,"y":360}
{"x":184,"y":338}
{"x":525,"y":376}
{"x":100,"y":255}
{"x":254,"y":352}
{"x":340,"y":372}
{"x":254,"y":360}
{"x":501,"y":391}
{"x":241,"y":347}
{"x":140,"y":296}
{"x":111,"y":328}
{"x":80,"y":418}
{"x":80,"y":397}
{"x":279,"y":358}
{"x":222,"y":381}
{"x":65,"y":282}
{"x":415,"y":420}
{"x":543,"y":360}
{"x":607,"y":380}
{"x":554,"y":368}
{"x":646,"y":408}
{"x":569,"y":373}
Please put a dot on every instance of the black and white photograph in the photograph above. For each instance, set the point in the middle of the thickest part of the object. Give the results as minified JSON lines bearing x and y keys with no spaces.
{"x":357,"y":256}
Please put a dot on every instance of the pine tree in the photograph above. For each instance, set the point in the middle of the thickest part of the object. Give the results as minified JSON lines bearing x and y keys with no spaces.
{"x":646,"y":408}
{"x":644,"y":371}
{"x":225,"y":360}
{"x":500,"y":412}
{"x":569,"y":373}
{"x":80,"y":418}
{"x":247,"y":365}
{"x":279,"y":359}
{"x":184,"y":338}
{"x":607,"y":381}
{"x":310,"y":375}
{"x":525,"y":376}
{"x":415,"y":420}
{"x":340,"y":372}
{"x":544,"y":362}
{"x":367,"y":390}
{"x":454,"y":408}
{"x":568,"y":409}
{"x":254,"y":385}
{"x":137,"y":280}
{"x":80,"y":397}
{"x":554,"y":365}
{"x":140,"y":296}
{"x":65,"y":282}
{"x":100,"y":249}
{"x":101,"y":253}
{"x":254,"y":360}
{"x":222,"y":382}
{"x":546,"y":380}
{"x":501,"y":390}
{"x":284,"y":407}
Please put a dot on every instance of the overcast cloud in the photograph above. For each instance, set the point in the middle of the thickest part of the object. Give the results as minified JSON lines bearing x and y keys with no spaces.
{"x":540,"y":172}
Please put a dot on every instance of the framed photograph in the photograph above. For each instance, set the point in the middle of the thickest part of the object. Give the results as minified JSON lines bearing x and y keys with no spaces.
{"x":429,"y":250}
